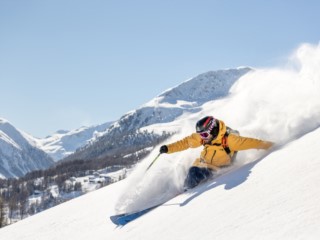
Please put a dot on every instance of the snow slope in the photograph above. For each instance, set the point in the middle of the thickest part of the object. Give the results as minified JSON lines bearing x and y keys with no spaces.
{"x":276,"y":197}
{"x":265,"y":195}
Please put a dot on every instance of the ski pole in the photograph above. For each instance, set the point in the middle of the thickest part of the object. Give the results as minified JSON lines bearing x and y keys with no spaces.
{"x":153,"y":161}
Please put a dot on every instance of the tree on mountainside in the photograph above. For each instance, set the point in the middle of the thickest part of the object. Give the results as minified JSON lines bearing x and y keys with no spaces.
{"x":13,"y":207}
{"x":2,"y":214}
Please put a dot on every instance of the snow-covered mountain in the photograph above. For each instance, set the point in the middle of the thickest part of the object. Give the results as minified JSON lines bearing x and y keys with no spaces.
{"x":170,"y":105}
{"x":265,"y":195}
{"x":111,"y":138}
{"x":18,"y":153}
{"x":184,"y":98}
{"x":63,"y":143}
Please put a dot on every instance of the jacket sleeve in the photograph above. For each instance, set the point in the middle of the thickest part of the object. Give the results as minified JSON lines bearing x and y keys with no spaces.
{"x":238,"y":143}
{"x":191,"y":141}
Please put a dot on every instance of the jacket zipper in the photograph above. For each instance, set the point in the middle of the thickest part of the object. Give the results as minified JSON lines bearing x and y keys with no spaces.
{"x":214,"y":153}
{"x":204,"y":157}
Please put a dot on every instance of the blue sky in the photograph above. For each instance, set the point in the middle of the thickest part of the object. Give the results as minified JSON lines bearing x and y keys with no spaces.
{"x":64,"y":64}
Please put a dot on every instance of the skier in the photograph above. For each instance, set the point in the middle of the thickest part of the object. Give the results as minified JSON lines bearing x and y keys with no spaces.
{"x":220,"y":143}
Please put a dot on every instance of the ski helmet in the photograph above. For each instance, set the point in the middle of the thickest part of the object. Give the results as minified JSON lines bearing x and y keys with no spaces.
{"x":206,"y":126}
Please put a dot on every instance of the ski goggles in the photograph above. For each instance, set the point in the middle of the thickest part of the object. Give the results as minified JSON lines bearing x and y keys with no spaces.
{"x":205,"y":135}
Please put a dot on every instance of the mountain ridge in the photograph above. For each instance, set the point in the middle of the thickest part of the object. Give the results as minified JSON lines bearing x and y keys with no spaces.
{"x":131,"y":131}
{"x":63,"y":142}
{"x":19,"y":155}
{"x":187,"y":97}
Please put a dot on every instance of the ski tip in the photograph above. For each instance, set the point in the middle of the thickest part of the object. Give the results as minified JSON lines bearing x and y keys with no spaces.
{"x":118,"y":220}
{"x":123,"y":219}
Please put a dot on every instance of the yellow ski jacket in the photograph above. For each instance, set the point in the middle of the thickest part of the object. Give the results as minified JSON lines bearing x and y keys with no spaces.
{"x":218,"y":153}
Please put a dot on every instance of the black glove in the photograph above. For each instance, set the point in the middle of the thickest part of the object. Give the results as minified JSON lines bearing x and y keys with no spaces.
{"x":163,"y":149}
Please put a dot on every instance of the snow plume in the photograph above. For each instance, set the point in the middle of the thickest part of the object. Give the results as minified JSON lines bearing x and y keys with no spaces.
{"x":164,"y":179}
{"x":278,"y":104}
{"x":160,"y":183}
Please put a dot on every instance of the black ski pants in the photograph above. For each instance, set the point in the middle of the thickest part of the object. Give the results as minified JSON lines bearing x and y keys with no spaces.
{"x":197,"y":175}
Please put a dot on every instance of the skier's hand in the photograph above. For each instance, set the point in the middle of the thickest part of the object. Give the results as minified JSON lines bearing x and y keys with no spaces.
{"x":163,"y":149}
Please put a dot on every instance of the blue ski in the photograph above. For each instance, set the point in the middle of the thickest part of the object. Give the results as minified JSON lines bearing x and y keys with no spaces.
{"x":123,"y":219}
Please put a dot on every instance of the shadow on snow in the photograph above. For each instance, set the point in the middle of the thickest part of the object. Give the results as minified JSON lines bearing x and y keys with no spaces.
{"x":230,"y":180}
